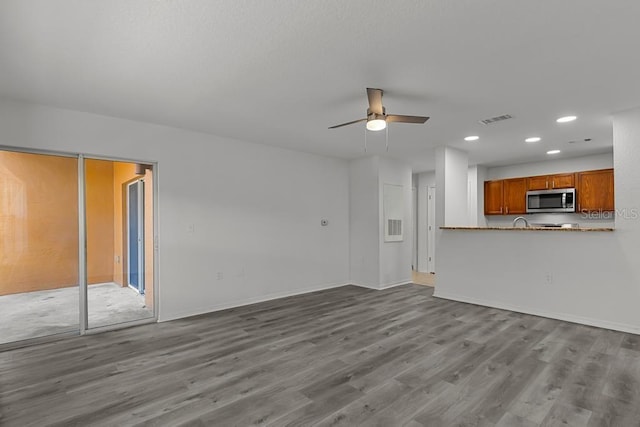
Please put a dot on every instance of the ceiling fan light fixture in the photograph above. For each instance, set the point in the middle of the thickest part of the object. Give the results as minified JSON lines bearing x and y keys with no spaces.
{"x":376,"y":124}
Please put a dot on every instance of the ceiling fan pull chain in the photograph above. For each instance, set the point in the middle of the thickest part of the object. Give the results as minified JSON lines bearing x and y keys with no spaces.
{"x":365,"y":139}
{"x":387,"y":137}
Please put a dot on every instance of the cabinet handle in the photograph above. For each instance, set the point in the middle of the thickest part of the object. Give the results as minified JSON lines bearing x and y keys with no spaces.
{"x":507,"y":208}
{"x":547,"y":184}
{"x":553,"y":184}
{"x":500,"y":209}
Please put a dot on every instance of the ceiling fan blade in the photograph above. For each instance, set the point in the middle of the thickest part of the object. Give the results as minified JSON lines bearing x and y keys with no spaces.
{"x":406,"y":119}
{"x":348,"y":123}
{"x":375,"y":100}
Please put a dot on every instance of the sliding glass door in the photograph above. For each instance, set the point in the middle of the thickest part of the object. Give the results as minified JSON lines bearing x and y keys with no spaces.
{"x":38,"y":245}
{"x":119,"y":224}
{"x":76,"y":244}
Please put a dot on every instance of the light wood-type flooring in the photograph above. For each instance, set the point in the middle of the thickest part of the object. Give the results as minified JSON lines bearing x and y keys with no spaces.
{"x":346,"y":356}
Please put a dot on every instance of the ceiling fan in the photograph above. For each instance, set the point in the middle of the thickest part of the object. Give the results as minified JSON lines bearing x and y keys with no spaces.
{"x":377,"y":117}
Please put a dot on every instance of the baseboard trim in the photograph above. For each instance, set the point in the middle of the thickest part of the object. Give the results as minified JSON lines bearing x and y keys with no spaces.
{"x":605,"y":324}
{"x":393,"y":285}
{"x":247,"y":301}
{"x":381,"y":287}
{"x":365,"y":286}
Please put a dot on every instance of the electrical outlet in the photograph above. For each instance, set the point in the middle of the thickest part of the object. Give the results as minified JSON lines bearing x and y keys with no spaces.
{"x":191,"y":228}
{"x":548,"y":278}
{"x":220,"y":275}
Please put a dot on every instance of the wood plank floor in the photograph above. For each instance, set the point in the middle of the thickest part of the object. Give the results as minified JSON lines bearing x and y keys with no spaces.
{"x":427,"y":279}
{"x":346,"y":356}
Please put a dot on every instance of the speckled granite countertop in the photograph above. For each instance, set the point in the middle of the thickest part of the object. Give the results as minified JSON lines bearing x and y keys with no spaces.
{"x":528,"y":228}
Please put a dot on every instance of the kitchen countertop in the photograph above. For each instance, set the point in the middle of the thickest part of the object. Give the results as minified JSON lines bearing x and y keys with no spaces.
{"x":529,"y":228}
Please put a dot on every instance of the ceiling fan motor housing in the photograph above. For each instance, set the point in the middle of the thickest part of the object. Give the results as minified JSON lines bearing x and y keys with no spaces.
{"x":377,"y":116}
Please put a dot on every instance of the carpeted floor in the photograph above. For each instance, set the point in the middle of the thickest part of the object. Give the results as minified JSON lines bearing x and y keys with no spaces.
{"x":42,"y":313}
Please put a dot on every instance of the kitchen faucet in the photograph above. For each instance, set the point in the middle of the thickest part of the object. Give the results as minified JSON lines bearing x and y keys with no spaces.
{"x":515,"y":221}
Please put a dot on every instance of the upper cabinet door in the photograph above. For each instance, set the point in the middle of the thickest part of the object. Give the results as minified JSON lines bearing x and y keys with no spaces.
{"x":493,"y":197}
{"x":546,"y":182}
{"x":515,"y":196}
{"x":595,"y":191}
{"x":565,"y":180}
{"x":538,"y":182}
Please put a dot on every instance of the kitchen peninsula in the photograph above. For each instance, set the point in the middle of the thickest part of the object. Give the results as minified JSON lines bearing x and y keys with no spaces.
{"x":531,"y":228}
{"x":550,"y":272}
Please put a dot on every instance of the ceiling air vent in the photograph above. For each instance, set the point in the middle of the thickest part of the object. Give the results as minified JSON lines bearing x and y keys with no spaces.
{"x":496,"y":119}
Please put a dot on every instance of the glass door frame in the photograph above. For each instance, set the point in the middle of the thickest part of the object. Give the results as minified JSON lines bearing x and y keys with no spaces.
{"x":139,"y":238}
{"x":82,"y":248}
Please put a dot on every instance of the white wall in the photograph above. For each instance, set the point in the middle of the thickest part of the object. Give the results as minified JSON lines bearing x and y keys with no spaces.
{"x":364,"y":227}
{"x":375,"y":263}
{"x":395,"y":257}
{"x":626,"y":134}
{"x":452,"y":181}
{"x":475,"y":195}
{"x":595,"y":276}
{"x":593,"y":162}
{"x":256,"y":209}
{"x":575,"y":164}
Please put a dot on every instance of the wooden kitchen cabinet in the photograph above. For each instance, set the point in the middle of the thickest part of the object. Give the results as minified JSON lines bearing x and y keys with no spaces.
{"x":493,"y":197}
{"x":537,"y":182}
{"x":505,"y":196}
{"x":595,"y":191}
{"x":565,"y":180}
{"x":547,"y":182}
{"x":515,"y":196}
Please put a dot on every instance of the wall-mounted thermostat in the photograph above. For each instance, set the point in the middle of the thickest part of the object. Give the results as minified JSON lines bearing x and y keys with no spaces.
{"x":324,"y":222}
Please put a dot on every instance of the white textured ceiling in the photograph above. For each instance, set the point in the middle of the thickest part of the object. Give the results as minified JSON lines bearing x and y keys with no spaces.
{"x":279,"y":72}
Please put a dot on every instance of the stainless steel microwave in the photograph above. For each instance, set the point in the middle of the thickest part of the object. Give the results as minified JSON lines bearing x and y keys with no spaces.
{"x":558,"y":200}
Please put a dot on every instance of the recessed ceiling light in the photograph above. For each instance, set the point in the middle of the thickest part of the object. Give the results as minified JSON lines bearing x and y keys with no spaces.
{"x":472,"y":138}
{"x":532,"y":139}
{"x":553,"y":151}
{"x":566,"y":119}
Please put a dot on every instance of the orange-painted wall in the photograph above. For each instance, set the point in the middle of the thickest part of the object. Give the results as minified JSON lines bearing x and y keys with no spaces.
{"x":38,"y":222}
{"x":122,"y":173}
{"x":100,"y":220}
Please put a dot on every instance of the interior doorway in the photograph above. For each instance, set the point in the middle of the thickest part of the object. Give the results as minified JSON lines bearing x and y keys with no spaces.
{"x":431,"y":230}
{"x":427,"y":239}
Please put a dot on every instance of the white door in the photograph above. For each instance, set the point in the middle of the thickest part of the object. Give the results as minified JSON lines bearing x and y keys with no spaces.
{"x":414,"y":221}
{"x":431,"y":229}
